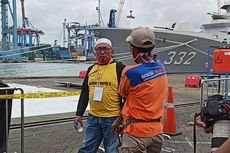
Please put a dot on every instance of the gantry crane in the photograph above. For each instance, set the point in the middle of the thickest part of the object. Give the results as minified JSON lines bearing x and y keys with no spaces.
{"x":20,"y":35}
{"x":6,"y":29}
{"x":28,"y":30}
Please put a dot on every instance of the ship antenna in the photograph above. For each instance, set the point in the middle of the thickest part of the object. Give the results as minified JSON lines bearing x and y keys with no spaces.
{"x":99,"y":12}
{"x":64,"y":34}
{"x":218,"y":5}
{"x":98,"y":8}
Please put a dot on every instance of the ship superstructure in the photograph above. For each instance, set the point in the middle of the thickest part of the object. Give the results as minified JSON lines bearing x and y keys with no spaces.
{"x":178,"y":49}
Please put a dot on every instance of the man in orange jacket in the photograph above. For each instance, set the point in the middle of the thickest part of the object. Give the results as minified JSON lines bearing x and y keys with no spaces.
{"x":144,"y":85}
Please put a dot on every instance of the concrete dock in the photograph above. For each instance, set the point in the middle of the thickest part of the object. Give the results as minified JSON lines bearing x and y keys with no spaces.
{"x":63,"y":138}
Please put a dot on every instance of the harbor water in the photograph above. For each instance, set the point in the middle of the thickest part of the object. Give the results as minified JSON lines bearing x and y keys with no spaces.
{"x":41,"y":69}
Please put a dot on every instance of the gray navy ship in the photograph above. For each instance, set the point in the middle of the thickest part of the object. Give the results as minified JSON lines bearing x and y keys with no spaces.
{"x":180,"y":50}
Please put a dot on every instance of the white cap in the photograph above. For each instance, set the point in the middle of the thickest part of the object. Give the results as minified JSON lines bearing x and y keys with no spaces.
{"x":103,"y":41}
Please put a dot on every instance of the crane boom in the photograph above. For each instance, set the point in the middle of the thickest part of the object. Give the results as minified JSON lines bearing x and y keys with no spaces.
{"x":119,"y":12}
{"x":23,"y":13}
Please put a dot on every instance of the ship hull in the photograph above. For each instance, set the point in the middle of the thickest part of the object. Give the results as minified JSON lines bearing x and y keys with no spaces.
{"x":181,"y":52}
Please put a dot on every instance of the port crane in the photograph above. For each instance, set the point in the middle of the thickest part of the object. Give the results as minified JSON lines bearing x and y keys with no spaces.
{"x":14,"y":39}
{"x":28,"y":31}
{"x":7,"y":30}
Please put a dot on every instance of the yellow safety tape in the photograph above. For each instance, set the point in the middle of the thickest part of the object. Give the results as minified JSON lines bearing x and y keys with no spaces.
{"x":40,"y":95}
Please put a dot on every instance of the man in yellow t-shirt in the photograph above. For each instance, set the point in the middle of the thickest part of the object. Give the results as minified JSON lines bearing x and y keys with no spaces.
{"x":100,"y":90}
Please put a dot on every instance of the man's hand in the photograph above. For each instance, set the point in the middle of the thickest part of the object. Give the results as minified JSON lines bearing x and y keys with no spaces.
{"x":117,"y":125}
{"x":200,"y":123}
{"x":79,"y":119}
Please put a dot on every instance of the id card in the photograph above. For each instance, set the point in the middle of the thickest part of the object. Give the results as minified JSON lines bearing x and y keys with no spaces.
{"x":98,"y":94}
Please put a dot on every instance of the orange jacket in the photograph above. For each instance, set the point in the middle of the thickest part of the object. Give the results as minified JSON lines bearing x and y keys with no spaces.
{"x":144,"y":86}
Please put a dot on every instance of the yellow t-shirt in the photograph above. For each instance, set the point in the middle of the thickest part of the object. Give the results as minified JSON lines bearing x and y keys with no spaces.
{"x":104,"y":77}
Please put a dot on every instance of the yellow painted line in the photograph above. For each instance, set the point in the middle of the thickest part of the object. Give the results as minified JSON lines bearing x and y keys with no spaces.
{"x":40,"y":95}
{"x":186,"y":89}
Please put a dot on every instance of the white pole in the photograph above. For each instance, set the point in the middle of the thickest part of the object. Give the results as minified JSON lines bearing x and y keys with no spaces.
{"x":99,"y":13}
{"x":218,"y":5}
{"x":64,"y":35}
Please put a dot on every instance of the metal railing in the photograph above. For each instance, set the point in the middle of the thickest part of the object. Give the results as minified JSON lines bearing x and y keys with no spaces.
{"x":214,"y":86}
{"x":7,"y":89}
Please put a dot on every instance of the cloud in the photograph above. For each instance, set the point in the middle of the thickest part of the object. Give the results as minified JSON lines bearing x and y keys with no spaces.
{"x":48,"y":15}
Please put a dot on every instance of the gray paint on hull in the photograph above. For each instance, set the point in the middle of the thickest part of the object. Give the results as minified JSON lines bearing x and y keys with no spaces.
{"x":186,"y":44}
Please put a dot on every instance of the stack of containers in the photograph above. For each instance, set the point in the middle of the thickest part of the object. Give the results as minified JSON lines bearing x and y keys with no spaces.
{"x":31,"y":56}
{"x":48,"y":54}
{"x":64,"y":53}
{"x":56,"y":53}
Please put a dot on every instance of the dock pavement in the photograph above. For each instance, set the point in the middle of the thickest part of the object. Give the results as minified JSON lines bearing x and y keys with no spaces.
{"x":63,"y":138}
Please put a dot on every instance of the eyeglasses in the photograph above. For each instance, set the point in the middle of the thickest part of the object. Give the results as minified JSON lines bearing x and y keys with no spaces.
{"x":104,"y":49}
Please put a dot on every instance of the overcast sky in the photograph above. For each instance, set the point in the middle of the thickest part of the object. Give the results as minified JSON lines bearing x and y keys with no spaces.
{"x":48,"y":15}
